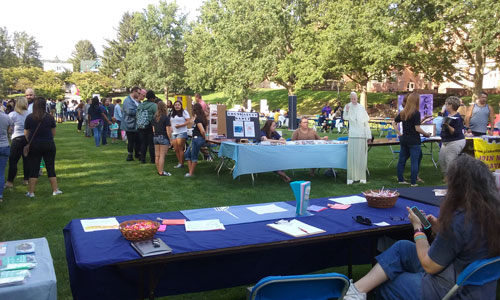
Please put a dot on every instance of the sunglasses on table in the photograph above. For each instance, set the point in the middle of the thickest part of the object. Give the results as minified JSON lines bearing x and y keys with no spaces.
{"x":396,"y":218}
{"x":362,"y":220}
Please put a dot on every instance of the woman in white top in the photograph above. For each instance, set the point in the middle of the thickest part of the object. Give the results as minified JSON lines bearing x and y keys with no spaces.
{"x":357,"y":146}
{"x":18,"y":142}
{"x":179,"y":120}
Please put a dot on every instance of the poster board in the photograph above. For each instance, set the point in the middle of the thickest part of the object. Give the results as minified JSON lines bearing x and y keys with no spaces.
{"x":426,"y":106}
{"x":242,"y":125}
{"x":221,"y":119}
{"x":217,"y":127}
{"x":489,"y":153}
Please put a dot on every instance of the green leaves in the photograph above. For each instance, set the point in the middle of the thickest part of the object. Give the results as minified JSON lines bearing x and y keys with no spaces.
{"x":84,"y":50}
{"x":93,"y":83}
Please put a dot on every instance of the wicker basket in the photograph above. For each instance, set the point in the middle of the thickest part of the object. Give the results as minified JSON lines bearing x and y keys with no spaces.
{"x":138,"y":234}
{"x":381,"y":202}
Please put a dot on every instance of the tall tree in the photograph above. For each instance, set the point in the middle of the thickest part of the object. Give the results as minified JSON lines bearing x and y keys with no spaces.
{"x":451,"y":40}
{"x":7,"y":56}
{"x":84,"y":50}
{"x":26,"y":49}
{"x":115,"y":53}
{"x":92,"y":83}
{"x":157,"y":57}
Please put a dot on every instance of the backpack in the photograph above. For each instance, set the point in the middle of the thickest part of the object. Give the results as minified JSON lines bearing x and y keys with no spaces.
{"x":144,"y":117}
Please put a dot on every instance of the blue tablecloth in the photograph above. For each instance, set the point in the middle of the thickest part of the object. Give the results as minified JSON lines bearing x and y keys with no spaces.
{"x":251,"y":159}
{"x":90,"y":255}
{"x":42,"y":283}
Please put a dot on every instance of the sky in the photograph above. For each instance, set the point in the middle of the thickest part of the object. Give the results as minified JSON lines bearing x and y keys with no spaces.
{"x":58,"y":25}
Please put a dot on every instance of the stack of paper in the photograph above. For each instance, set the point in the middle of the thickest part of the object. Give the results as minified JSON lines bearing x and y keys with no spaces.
{"x":99,"y":224}
{"x":204,"y":225}
{"x":295,"y":228}
{"x":349,"y":200}
{"x":18,"y":262}
{"x":13,"y":277}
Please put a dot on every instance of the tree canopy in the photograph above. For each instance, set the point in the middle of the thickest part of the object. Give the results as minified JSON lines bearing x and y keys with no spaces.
{"x":84,"y":50}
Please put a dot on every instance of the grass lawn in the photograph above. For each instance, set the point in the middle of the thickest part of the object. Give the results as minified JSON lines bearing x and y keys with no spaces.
{"x":98,"y":182}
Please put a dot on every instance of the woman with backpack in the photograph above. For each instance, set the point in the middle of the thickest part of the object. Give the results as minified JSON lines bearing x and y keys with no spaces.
{"x":145,"y":112}
{"x":97,"y":117}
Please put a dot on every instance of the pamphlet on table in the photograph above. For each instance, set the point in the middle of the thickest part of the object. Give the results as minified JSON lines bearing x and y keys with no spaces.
{"x":349,"y":200}
{"x":90,"y":225}
{"x":204,"y":225}
{"x":295,"y":228}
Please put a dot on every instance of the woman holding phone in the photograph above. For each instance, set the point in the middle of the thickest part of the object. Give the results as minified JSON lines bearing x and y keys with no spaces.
{"x":468,"y":229}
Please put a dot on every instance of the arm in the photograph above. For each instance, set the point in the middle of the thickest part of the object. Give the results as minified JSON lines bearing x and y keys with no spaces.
{"x":294,"y":135}
{"x":422,"y":245}
{"x":105,"y":118}
{"x":129,"y":109}
{"x":468,"y":115}
{"x":421,"y":131}
{"x":492,"y":119}
{"x":396,"y":128}
{"x":202,"y":130}
{"x":169,"y":132}
{"x":53,"y":132}
{"x":27,"y":135}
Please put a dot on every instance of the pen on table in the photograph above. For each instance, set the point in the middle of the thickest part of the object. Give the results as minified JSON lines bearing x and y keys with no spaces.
{"x":302,"y":229}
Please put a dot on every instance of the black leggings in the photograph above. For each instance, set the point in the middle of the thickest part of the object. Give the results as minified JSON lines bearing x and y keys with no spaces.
{"x":134,"y":142}
{"x":16,"y":152}
{"x":39,"y":150}
{"x":80,"y":121}
{"x":147,"y":141}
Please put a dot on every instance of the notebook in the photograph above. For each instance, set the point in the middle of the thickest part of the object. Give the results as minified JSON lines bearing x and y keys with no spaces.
{"x":295,"y":228}
{"x":148,"y":248}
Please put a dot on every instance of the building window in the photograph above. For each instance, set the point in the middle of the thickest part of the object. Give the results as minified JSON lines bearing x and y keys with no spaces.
{"x":410,"y":86}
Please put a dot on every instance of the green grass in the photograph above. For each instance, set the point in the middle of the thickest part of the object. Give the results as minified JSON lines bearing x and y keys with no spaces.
{"x":98,"y":182}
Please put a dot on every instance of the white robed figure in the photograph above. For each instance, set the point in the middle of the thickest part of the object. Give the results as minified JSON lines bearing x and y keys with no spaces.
{"x":359,"y":134}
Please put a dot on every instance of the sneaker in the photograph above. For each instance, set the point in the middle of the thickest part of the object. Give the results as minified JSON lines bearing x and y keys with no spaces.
{"x":30,"y":195}
{"x":414,"y":185}
{"x":188,"y":175}
{"x":403,"y":182}
{"x":353,"y":293}
{"x":349,"y":181}
{"x":178,"y":166}
{"x":165,"y":174}
{"x":130,"y":158}
{"x":58,"y":192}
{"x":362,"y":181}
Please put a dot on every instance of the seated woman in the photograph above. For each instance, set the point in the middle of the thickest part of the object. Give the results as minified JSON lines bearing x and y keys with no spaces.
{"x":268,"y":132}
{"x":306,"y":133}
{"x":452,"y":136}
{"x":468,"y":229}
{"x":323,"y":122}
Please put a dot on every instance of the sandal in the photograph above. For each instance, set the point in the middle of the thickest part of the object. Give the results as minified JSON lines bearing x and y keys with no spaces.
{"x":403,"y":182}
{"x":164,"y":174}
{"x":420,"y":180}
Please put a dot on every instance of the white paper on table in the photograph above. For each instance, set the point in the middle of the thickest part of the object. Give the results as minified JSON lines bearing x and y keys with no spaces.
{"x":349,"y":200}
{"x":249,"y":129}
{"x":266,"y":209}
{"x":204,"y":225}
{"x":238,"y":129}
{"x":90,"y":225}
{"x":440,"y":192}
{"x":382,"y":224}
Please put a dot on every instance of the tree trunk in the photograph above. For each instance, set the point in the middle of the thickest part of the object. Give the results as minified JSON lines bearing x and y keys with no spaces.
{"x":165,"y":89}
{"x":477,"y":88}
{"x":363,"y":99}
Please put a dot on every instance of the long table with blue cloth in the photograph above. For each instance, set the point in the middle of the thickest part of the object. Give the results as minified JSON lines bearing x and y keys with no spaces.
{"x":257,"y":158}
{"x":103,"y":265}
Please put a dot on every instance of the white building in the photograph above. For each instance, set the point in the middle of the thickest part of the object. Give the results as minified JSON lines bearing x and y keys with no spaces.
{"x":58,"y":67}
{"x":491,"y":78}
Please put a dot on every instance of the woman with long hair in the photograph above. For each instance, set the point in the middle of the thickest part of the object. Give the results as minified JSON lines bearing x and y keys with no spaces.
{"x":268,"y":132}
{"x":410,"y":138}
{"x":179,"y":119}
{"x":468,"y":229}
{"x":40,"y":129}
{"x":357,"y":145}
{"x":18,"y":116}
{"x":162,"y":131}
{"x":199,"y":131}
{"x":97,"y":117}
{"x":79,"y":116}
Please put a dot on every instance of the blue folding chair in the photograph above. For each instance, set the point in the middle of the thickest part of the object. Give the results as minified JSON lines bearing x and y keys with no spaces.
{"x":303,"y":287}
{"x":395,"y":153}
{"x":477,"y":273}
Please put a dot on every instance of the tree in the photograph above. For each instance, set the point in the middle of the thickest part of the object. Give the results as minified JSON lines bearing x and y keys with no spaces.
{"x":115,"y":53}
{"x":84,"y":50}
{"x":48,"y":85}
{"x":156,"y":58}
{"x":26,"y":49}
{"x":7,"y":56}
{"x":19,"y":78}
{"x":451,"y":39}
{"x":92,"y":83}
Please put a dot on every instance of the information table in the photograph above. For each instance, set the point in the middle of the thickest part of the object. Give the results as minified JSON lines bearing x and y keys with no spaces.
{"x":42,"y":283}
{"x":256,"y":158}
{"x":103,"y":265}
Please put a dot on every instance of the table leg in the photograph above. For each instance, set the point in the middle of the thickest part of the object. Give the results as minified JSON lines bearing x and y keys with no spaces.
{"x":432,"y":157}
{"x":349,"y":259}
{"x":141,"y":283}
{"x":152,"y":282}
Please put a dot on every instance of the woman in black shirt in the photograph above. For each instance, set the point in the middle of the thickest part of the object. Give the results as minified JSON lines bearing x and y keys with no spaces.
{"x":40,"y":129}
{"x":200,"y":125}
{"x":452,"y":136}
{"x":162,"y":133}
{"x":410,"y":138}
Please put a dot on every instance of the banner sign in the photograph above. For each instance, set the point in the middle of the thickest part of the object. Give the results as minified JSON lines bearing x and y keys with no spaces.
{"x":242,"y":125}
{"x":426,"y":106}
{"x":489,"y":153}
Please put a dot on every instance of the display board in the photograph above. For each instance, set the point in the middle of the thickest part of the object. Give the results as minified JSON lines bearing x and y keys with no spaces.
{"x":217,"y":123}
{"x":242,"y":125}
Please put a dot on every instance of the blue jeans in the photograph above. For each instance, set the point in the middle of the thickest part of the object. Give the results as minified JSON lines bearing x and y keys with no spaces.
{"x":4,"y":157}
{"x":402,"y":266}
{"x":414,"y":153}
{"x":194,"y":149}
{"x":97,"y":134}
{"x":105,"y":133}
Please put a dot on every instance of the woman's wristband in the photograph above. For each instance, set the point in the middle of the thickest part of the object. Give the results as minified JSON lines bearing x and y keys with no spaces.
{"x":418,"y":230}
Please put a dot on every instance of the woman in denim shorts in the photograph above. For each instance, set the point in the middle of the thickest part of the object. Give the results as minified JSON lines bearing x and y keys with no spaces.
{"x":179,"y":119}
{"x":162,"y":132}
{"x":200,"y":125}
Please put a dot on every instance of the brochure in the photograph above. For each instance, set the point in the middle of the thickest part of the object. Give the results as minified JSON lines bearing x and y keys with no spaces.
{"x":13,"y":277}
{"x":204,"y":225}
{"x":295,"y":228}
{"x":25,"y":248}
{"x":18,"y":262}
{"x":99,"y":224}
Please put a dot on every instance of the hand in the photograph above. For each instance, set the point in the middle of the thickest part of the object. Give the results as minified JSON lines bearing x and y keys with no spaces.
{"x":347,"y":108}
{"x":179,"y":125}
{"x":325,"y":138}
{"x":434,"y":223}
{"x":414,"y":220}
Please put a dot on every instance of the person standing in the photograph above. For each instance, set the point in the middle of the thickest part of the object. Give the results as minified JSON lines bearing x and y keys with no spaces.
{"x":105,"y":125}
{"x":204,"y":106}
{"x":410,"y":138}
{"x":357,"y":144}
{"x":162,"y":136}
{"x":199,"y":131}
{"x":452,"y":137}
{"x":5,"y":123}
{"x":129,"y":111}
{"x":29,"y":94}
{"x":179,"y":119}
{"x":79,"y":116}
{"x":96,"y":118}
{"x":86,"y":124}
{"x":117,"y":114}
{"x":326,"y":109}
{"x":40,"y":129}
{"x":478,"y":115}
{"x":18,"y":117}
{"x":145,"y":112}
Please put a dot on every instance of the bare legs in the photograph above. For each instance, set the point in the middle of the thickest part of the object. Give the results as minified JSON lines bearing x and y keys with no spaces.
{"x":375,"y":277}
{"x":191,"y":166}
{"x":160,"y":152}
{"x":179,"y":145}
{"x":32,"y":183}
{"x":284,"y":176}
